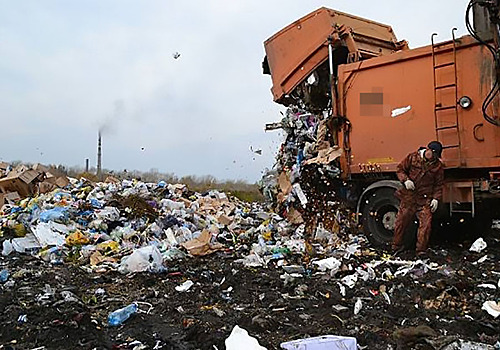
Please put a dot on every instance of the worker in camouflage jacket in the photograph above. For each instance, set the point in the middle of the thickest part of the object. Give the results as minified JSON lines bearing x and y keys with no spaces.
{"x":422,"y":174}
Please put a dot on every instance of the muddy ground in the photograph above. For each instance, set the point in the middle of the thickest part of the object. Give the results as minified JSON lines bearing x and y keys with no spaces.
{"x":448,"y":301}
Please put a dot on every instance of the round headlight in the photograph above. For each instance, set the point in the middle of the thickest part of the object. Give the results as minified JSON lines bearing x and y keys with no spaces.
{"x":465,"y":102}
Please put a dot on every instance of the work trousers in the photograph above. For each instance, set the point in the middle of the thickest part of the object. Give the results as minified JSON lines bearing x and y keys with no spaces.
{"x":403,"y":220}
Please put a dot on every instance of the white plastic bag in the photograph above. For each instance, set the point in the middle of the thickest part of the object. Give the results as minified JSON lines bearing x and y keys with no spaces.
{"x":240,"y":340}
{"x":172,"y":205}
{"x":108,"y":213}
{"x":350,"y":280}
{"x":48,"y":236}
{"x":328,"y":264}
{"x":28,"y":242}
{"x":7,"y":248}
{"x":398,"y":111}
{"x":300,"y":194}
{"x":143,"y":259}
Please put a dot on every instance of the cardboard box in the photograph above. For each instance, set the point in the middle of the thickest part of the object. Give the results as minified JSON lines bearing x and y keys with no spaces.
{"x":284,"y":183}
{"x":3,"y":165}
{"x":21,"y":180}
{"x":325,"y":156}
{"x":224,"y":220}
{"x":62,"y":181}
{"x":9,"y":198}
{"x":15,"y":184}
{"x":46,"y":187}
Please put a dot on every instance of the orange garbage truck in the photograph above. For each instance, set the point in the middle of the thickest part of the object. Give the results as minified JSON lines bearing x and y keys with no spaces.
{"x":380,"y":100}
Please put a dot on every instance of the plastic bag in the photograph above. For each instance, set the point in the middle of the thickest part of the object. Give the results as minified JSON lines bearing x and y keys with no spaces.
{"x":240,"y":340}
{"x":108,"y":213}
{"x":109,"y":245}
{"x":171,"y":205}
{"x":76,"y":238}
{"x":29,"y":242}
{"x":7,"y":248}
{"x":96,"y":203}
{"x":358,"y":306}
{"x":330,"y":263}
{"x":143,"y":259}
{"x":492,"y":308}
{"x":56,"y":214}
{"x":47,"y":236}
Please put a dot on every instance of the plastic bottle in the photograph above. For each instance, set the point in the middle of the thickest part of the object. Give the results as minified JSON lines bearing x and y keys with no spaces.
{"x":4,"y":275}
{"x":119,"y":316}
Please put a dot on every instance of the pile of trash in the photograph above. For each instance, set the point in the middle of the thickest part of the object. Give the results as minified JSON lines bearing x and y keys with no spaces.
{"x":132,"y":226}
{"x":303,"y":184}
{"x":23,"y":181}
{"x":126,"y":225}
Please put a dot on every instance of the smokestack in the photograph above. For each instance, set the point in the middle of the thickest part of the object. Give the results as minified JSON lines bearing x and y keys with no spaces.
{"x":86,"y":165}
{"x":99,"y":155}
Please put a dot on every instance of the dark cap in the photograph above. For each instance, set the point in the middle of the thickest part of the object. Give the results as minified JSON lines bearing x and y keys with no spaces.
{"x":436,"y":147}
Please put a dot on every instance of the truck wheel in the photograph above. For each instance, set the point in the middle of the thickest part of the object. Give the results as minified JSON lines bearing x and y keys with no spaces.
{"x":379,"y":215}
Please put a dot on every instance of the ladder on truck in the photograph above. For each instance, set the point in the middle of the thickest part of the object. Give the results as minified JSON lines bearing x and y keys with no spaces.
{"x":439,"y":109}
{"x":447,"y":47}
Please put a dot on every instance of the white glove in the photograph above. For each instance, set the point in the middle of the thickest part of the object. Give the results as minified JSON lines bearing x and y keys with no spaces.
{"x":409,"y":185}
{"x":434,"y":205}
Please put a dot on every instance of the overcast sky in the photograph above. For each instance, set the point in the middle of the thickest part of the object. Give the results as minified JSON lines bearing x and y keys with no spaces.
{"x":68,"y":67}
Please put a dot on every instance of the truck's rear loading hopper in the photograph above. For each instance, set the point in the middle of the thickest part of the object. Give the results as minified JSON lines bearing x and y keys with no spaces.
{"x":297,"y":50}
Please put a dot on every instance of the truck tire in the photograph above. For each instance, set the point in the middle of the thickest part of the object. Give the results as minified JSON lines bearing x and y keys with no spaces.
{"x":379,"y":215}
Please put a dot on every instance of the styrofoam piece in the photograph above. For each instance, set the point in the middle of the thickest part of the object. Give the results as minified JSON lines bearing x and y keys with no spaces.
{"x":324,"y":342}
{"x":478,"y":245}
